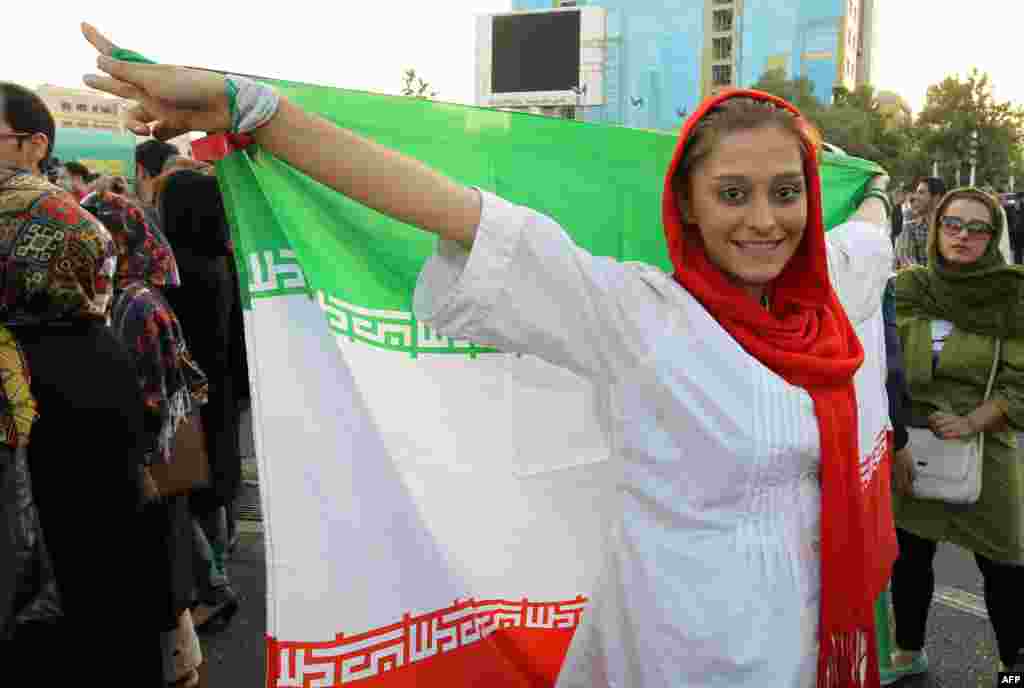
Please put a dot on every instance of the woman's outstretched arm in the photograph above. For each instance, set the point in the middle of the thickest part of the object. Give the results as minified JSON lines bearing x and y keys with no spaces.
{"x":375,"y":176}
{"x":173,"y":100}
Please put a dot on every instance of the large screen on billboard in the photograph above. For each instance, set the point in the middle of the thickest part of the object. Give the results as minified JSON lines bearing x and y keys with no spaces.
{"x":535,"y":52}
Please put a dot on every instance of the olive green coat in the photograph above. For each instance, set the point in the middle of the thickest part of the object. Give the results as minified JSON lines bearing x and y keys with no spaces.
{"x":991,"y":527}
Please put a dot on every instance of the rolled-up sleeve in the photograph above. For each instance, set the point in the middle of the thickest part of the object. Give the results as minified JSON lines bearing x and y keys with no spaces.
{"x":859,"y":263}
{"x":526,"y":287}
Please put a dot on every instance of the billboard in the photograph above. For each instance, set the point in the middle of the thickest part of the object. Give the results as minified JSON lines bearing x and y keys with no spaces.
{"x":105,"y":152}
{"x":542,"y":57}
{"x":535,"y":51}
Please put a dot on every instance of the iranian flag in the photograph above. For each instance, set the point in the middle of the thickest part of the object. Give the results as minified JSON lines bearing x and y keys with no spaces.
{"x":430,"y":504}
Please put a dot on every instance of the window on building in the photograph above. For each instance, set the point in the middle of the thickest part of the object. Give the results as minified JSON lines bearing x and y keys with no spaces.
{"x":107,"y":109}
{"x":722,"y":48}
{"x":67,"y":123}
{"x":82,"y":107}
{"x":65,"y":106}
{"x":721,"y":75}
{"x":723,"y":2}
{"x":722,"y":20}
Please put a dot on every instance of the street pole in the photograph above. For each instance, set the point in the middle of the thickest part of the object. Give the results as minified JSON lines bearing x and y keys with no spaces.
{"x":935,"y":168}
{"x":974,"y":156}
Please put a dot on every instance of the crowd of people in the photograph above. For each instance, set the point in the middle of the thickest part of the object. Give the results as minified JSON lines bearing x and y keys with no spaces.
{"x":120,"y":323}
{"x":915,"y":203}
{"x":743,"y":553}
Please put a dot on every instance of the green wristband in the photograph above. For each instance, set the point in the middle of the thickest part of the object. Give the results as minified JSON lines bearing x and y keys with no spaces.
{"x":126,"y":55}
{"x":231,"y":89}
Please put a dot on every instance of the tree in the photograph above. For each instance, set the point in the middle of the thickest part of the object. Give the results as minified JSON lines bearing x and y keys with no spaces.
{"x":911,"y":160}
{"x":862,"y":98}
{"x":414,"y":86}
{"x":798,"y":91}
{"x":943,"y":133}
{"x":961,"y":119}
{"x":853,"y":121}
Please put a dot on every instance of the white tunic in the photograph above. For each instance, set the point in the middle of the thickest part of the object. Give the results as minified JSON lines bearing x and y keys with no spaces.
{"x":712,"y":569}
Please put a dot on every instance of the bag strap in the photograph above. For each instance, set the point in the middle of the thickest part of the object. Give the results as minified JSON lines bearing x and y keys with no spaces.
{"x":995,"y":365}
{"x":988,"y":391}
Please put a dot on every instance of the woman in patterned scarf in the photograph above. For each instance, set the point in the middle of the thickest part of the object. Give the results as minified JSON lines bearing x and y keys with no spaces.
{"x":88,"y":442}
{"x":172,"y":387}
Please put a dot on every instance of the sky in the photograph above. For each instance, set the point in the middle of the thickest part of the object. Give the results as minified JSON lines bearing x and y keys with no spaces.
{"x":922,"y":41}
{"x":367,"y":45}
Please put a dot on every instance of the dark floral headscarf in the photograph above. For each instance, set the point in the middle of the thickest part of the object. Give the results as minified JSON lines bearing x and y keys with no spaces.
{"x":57,"y":260}
{"x":144,"y":254}
{"x":172,"y":384}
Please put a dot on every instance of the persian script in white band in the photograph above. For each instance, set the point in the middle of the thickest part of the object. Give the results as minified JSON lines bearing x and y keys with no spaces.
{"x":869,"y":463}
{"x":348,"y":659}
{"x":395,"y":330}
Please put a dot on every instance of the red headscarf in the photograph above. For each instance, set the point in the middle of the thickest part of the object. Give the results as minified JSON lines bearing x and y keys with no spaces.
{"x":807,"y":339}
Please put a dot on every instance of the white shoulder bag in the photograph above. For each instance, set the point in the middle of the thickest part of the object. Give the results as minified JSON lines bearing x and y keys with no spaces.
{"x":950,"y":470}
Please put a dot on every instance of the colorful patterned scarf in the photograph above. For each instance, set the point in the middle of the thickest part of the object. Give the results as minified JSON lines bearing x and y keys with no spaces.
{"x":170,"y":380}
{"x":58,"y":260}
{"x":144,"y":254}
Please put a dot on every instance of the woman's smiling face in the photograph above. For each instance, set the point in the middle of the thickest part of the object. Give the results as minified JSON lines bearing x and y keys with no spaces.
{"x":749,"y":199}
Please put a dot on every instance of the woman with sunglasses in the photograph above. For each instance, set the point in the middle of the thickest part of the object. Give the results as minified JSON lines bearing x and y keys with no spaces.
{"x":950,"y":314}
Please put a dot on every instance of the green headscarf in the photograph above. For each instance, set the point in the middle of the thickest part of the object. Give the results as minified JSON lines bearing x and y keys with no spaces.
{"x":986,"y":297}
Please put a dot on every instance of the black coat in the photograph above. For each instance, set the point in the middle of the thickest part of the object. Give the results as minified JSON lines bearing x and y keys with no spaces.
{"x":895,"y":381}
{"x":28,"y":589}
{"x":193,"y":219}
{"x":84,"y":454}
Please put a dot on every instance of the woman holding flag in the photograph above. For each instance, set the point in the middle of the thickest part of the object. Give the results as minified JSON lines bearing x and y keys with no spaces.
{"x":754,"y":528}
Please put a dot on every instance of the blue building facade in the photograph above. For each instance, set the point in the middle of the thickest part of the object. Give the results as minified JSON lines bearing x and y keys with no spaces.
{"x":664,"y":56}
{"x":817,"y":39}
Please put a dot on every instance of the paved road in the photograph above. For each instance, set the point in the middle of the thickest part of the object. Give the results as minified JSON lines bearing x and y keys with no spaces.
{"x":961,"y":644}
{"x":235,"y":658}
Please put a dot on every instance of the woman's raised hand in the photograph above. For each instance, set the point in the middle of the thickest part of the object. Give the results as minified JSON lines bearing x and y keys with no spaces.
{"x":169,"y":100}
{"x":175,"y":100}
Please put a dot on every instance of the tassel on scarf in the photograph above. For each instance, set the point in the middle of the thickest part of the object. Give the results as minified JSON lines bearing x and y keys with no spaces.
{"x":849,"y":660}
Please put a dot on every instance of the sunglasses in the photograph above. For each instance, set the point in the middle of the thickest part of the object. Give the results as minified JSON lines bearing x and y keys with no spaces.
{"x":976,"y":229}
{"x":15,"y":135}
